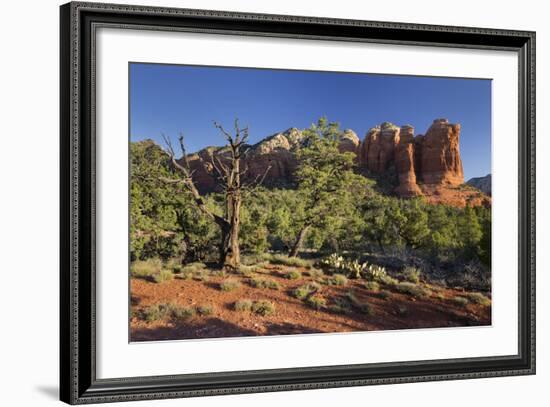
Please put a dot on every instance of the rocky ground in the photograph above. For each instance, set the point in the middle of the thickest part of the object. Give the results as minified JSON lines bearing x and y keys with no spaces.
{"x":207,"y":311}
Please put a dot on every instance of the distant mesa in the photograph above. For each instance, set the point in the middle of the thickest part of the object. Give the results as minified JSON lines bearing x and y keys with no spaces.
{"x":481,"y":183}
{"x":426,"y":165}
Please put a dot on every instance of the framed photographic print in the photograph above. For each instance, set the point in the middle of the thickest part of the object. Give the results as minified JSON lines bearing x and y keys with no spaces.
{"x":255,"y":203}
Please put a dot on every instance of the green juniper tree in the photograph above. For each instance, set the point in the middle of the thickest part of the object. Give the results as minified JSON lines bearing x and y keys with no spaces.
{"x":326,"y":181}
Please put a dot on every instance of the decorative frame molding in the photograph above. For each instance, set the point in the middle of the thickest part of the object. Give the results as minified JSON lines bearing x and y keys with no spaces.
{"x":78,"y":382}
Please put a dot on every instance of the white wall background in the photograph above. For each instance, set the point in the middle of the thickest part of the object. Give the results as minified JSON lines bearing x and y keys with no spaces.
{"x":29,"y":162}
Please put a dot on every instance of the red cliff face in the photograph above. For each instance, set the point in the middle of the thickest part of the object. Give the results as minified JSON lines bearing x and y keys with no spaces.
{"x":425,"y":165}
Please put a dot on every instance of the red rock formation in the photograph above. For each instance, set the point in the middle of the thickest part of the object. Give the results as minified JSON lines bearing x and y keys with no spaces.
{"x":426,"y":165}
{"x":378,"y":149}
{"x":405,"y":164}
{"x":440,"y":162}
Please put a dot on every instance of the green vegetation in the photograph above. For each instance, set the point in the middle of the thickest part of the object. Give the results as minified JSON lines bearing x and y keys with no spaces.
{"x":264,"y":283}
{"x":163,"y":275}
{"x":305,"y":290}
{"x":146,"y":268}
{"x":244,"y":305}
{"x":337,"y":279}
{"x":330,"y":211}
{"x":167,"y":311}
{"x":362,"y":306}
{"x":372,"y":286}
{"x":460,"y":301}
{"x":205,"y":309}
{"x":229,"y":285}
{"x":293,"y":275}
{"x":478,"y":298}
{"x":263,"y":307}
{"x":411,"y":274}
{"x":316,"y":301}
{"x":413,"y":289}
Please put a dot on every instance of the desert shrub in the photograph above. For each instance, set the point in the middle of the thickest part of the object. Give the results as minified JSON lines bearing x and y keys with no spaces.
{"x":384,"y":294}
{"x":201,"y":275}
{"x":351,"y":268}
{"x":174,"y":265}
{"x":372,"y":286}
{"x":439,"y":296}
{"x":460,"y":301}
{"x":229,"y":285}
{"x":193,"y":267}
{"x":263,"y":307}
{"x":154,"y":312}
{"x":293,"y":275}
{"x":305,"y":290}
{"x":244,"y":305}
{"x":316,"y":301}
{"x":246,"y":271}
{"x":264,"y":283}
{"x":478,"y":298}
{"x":340,"y":306}
{"x":163,"y":275}
{"x":288,"y":261}
{"x":167,"y":310}
{"x":219,"y":273}
{"x":413,"y":290}
{"x":145,"y":268}
{"x":204,"y":310}
{"x":315,"y":273}
{"x":178,"y":312}
{"x":337,"y":279}
{"x":411,"y":274}
{"x":388,"y":280}
{"x":362,"y":306}
{"x":375,"y":273}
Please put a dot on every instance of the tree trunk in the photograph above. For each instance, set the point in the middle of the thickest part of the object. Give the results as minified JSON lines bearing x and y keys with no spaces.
{"x":299,"y":241}
{"x":230,"y":255}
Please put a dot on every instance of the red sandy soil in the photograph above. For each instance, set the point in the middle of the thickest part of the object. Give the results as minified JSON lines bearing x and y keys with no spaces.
{"x":291,"y":316}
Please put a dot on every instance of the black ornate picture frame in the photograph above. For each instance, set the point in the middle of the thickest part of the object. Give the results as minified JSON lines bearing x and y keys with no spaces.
{"x":79,"y":384}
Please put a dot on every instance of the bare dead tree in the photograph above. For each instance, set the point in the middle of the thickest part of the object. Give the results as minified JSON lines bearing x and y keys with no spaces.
{"x":228,"y":171}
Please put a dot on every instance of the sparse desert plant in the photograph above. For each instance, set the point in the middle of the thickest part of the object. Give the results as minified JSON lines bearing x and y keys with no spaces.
{"x":246,"y":271}
{"x":315,"y":273}
{"x":204,"y":310}
{"x":478,"y":298}
{"x":340,"y":306}
{"x":166,"y":310}
{"x":388,"y":280}
{"x":201,"y":275}
{"x":384,"y":294}
{"x":289,"y":261}
{"x":413,"y":290}
{"x":243,"y":305}
{"x":193,"y":267}
{"x":293,"y":275}
{"x":362,"y":306}
{"x":305,"y":290}
{"x":411,"y":274}
{"x":439,"y":296}
{"x":316,"y":301}
{"x":338,"y":279}
{"x":154,"y":312}
{"x":372,"y":286}
{"x":219,"y":273}
{"x":376,"y":273}
{"x":229,"y":285}
{"x":163,"y":275}
{"x":145,"y":268}
{"x":264,"y":283}
{"x":460,"y":301}
{"x":181,"y":313}
{"x":263,"y":307}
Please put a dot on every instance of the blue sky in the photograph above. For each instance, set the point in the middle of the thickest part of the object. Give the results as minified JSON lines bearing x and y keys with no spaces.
{"x":171,"y":99}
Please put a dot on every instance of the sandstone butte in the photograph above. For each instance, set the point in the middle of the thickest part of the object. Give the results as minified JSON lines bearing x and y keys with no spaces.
{"x":427,"y":165}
